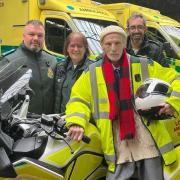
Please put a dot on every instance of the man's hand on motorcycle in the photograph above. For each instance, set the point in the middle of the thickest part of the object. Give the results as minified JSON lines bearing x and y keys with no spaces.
{"x":166,"y":109}
{"x":75,"y":132}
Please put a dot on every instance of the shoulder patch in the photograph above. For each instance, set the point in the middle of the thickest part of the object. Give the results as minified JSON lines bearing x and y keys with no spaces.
{"x":50,"y":73}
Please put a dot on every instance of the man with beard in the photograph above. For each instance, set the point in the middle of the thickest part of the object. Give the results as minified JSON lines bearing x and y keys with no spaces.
{"x":29,"y":55}
{"x":138,"y":43}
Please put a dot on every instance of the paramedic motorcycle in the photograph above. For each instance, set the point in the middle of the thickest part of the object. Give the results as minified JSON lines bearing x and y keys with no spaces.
{"x":34,"y":146}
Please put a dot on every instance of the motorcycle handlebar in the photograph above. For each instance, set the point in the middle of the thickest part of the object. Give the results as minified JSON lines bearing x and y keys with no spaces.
{"x":58,"y":123}
{"x":61,"y":123}
{"x":33,"y":115}
{"x":85,"y":138}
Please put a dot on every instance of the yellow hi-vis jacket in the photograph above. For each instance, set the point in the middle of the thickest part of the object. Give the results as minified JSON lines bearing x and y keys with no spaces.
{"x":89,"y":99}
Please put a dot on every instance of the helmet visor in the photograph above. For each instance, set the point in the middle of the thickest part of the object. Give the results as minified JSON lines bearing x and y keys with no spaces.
{"x":142,"y":91}
{"x":162,"y":89}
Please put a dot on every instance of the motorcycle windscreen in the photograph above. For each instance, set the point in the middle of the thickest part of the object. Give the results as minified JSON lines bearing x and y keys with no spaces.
{"x":21,"y":80}
{"x":9,"y":75}
{"x":11,"y":82}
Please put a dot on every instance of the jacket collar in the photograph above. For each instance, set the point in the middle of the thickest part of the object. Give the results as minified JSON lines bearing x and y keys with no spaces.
{"x":80,"y":66}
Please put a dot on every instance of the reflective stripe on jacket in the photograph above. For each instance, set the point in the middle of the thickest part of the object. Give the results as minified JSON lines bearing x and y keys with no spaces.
{"x":89,"y":98}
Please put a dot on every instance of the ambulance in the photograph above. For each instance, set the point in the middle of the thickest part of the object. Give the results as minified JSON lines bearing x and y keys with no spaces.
{"x":60,"y":17}
{"x":160,"y":28}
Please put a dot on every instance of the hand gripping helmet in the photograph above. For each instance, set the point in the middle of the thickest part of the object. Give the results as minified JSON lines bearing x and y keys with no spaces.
{"x":149,"y":96}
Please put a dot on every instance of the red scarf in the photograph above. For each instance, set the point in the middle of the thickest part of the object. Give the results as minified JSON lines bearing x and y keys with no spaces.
{"x":121,"y":107}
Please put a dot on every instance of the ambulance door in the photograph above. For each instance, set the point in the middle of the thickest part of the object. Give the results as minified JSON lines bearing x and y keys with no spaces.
{"x":57,"y":27}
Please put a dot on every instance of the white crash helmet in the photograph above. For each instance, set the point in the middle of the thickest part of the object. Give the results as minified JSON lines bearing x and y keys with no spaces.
{"x":150,"y":95}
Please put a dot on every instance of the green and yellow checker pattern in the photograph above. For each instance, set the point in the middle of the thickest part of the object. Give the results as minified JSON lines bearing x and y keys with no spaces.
{"x":174,"y":63}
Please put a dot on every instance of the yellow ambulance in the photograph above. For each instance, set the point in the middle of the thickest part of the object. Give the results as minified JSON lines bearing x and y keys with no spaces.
{"x":60,"y":17}
{"x":160,"y":28}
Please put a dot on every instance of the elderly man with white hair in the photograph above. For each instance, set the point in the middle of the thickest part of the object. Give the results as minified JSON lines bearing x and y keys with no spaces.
{"x":105,"y":92}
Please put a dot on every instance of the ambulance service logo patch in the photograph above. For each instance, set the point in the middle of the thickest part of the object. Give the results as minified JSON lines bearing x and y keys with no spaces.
{"x":50,"y":73}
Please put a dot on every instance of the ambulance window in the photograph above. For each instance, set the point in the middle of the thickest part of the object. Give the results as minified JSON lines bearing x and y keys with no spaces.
{"x":56,"y":32}
{"x":155,"y":35}
{"x":174,"y":33}
{"x":91,"y":28}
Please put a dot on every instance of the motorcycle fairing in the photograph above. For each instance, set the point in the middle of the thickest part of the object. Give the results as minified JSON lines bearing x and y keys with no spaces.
{"x":30,"y":147}
{"x":58,"y":148}
{"x":84,"y":162}
{"x":6,"y":167}
{"x":37,"y":169}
